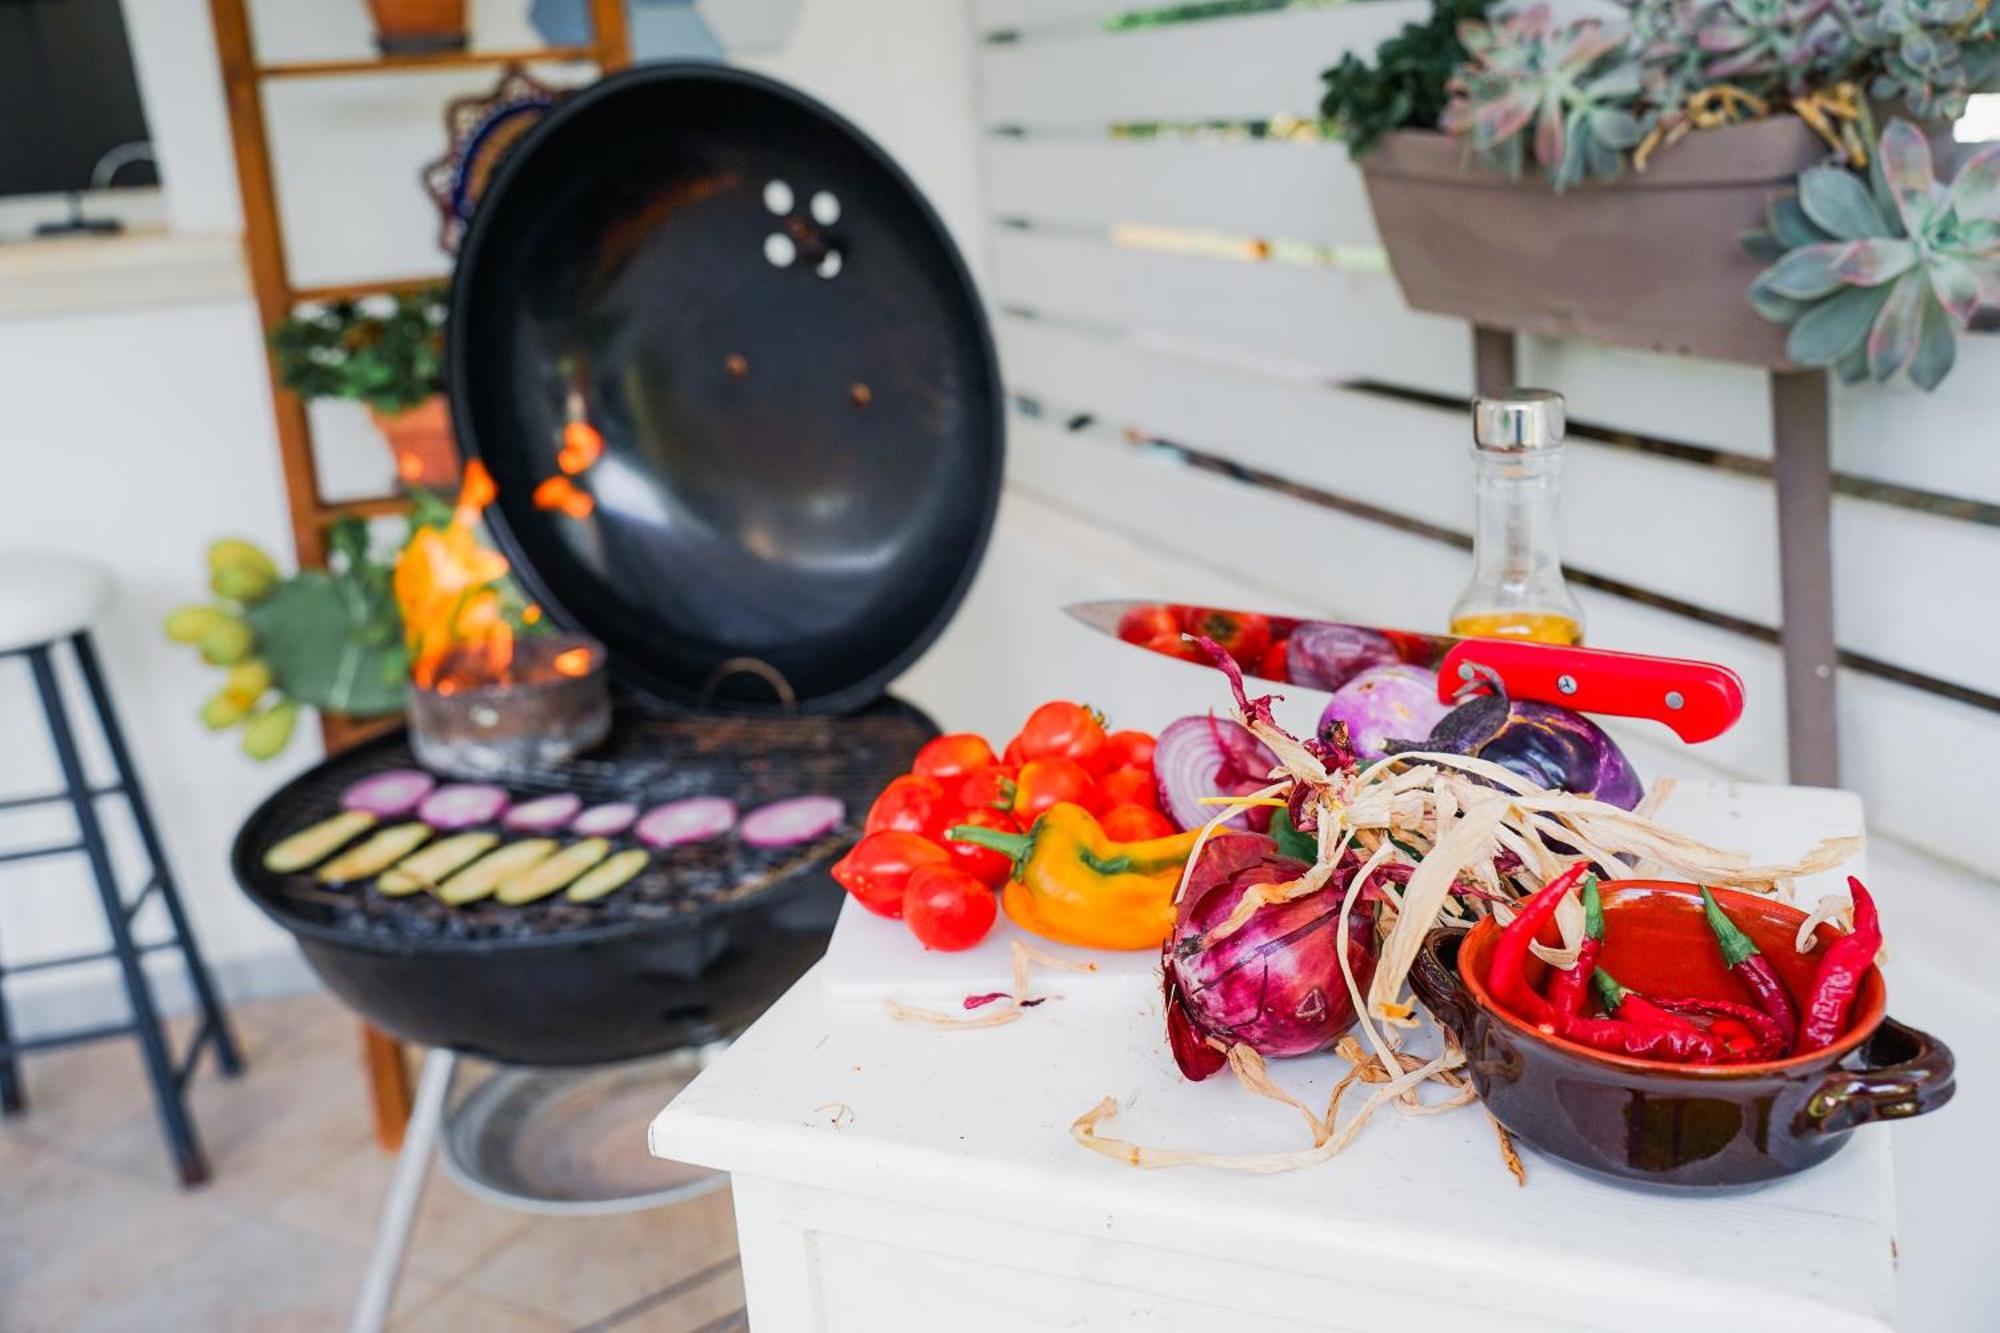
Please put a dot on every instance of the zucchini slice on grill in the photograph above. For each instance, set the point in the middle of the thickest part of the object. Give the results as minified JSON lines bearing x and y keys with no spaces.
{"x":554,"y":874}
{"x":608,"y":876}
{"x":309,"y":846}
{"x":429,"y":867}
{"x":489,"y":872}
{"x":375,"y":854}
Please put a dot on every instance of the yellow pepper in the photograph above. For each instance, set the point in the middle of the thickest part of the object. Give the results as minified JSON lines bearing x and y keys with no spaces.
{"x":1074,"y":885}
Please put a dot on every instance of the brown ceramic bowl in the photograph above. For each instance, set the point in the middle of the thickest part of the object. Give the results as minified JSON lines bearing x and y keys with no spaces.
{"x":1673,"y":1125}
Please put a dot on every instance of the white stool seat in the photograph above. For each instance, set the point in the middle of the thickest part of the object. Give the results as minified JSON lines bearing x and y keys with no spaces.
{"x":45,"y":597}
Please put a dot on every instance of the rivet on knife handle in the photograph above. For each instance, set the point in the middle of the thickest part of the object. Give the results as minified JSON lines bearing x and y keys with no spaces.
{"x":1698,"y":700}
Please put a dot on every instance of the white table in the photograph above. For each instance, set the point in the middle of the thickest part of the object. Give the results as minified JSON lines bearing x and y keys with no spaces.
{"x":891,"y":1176}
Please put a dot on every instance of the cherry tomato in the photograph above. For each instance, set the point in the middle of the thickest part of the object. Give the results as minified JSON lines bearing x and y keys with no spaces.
{"x":1060,"y":729}
{"x":1135,"y":823}
{"x":1012,"y":754}
{"x":1133,"y":748}
{"x":1143,"y":623}
{"x":1243,"y":637}
{"x":912,"y":803}
{"x":1047,"y":782}
{"x":989,"y":788}
{"x":947,"y":908}
{"x":953,"y":756}
{"x":1130,"y":786}
{"x":877,"y":869}
{"x":989,"y":867}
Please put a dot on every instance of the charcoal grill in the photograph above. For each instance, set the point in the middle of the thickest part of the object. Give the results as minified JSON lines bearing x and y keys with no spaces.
{"x":801,"y":464}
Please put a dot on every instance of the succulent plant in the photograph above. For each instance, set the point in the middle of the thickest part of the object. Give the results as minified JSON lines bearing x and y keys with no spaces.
{"x":1875,"y":277}
{"x":1574,"y":85}
{"x":1928,"y":54}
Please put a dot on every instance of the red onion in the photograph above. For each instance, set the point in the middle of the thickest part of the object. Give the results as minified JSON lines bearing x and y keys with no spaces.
{"x":1210,"y":756}
{"x":544,"y":814}
{"x":605,"y":821}
{"x":390,"y":793}
{"x":463,"y":805}
{"x":696,"y":819}
{"x":1275,"y":984}
{"x":790,"y":822}
{"x":1548,"y":745}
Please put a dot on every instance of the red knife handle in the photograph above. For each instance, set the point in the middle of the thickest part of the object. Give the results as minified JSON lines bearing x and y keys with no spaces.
{"x":1699,"y":700}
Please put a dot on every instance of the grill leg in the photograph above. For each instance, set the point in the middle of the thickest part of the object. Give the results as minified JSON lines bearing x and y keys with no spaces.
{"x":174,"y":1122}
{"x":226,"y":1057}
{"x":406,"y":1191}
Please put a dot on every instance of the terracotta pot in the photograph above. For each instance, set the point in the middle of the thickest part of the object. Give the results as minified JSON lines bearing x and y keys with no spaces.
{"x":426,"y":452}
{"x":1650,"y":260}
{"x":415,"y":27}
{"x":1678,"y":1125}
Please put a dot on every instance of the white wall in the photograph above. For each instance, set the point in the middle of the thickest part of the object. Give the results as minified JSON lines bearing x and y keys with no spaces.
{"x":135,"y":436}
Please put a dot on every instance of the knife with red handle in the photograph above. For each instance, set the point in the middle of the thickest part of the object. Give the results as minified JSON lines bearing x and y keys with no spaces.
{"x":1697,"y":700}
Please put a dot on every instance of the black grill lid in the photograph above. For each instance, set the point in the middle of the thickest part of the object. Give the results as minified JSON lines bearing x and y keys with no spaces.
{"x":802,"y":460}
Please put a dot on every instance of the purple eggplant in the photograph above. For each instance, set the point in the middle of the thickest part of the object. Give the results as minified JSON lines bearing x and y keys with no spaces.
{"x":1550,"y":746}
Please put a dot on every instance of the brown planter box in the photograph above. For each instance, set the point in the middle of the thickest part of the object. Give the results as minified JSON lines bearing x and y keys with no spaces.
{"x":426,"y":452}
{"x":418,"y":27}
{"x":1650,"y":260}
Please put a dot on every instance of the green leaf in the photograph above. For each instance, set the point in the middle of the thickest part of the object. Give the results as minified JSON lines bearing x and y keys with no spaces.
{"x":305,"y":630}
{"x":1975,"y":192}
{"x":1762,"y":245}
{"x":1835,"y":326}
{"x":1893,"y":341}
{"x":1905,"y":160}
{"x":1937,"y":345}
{"x":1839,"y":204}
{"x":1778,"y":309}
{"x":1872,"y":263}
{"x":1809,"y":273}
{"x":1957,"y":286}
{"x":1853,"y":368}
{"x":1790,"y":224}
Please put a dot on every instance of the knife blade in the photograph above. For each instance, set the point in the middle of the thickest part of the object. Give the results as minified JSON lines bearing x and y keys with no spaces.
{"x":1698,"y":701}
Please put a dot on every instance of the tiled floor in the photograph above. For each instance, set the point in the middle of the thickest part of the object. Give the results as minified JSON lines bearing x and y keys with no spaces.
{"x":94,"y":1235}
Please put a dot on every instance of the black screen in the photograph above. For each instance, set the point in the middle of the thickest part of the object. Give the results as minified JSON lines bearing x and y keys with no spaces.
{"x":67,"y":95}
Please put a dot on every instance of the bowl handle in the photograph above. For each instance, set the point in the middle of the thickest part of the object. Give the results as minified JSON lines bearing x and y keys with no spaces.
{"x":1434,"y":977}
{"x":1903,"y":1073}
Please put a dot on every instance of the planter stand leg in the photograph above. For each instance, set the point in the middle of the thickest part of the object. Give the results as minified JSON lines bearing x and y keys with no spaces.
{"x":1803,"y":474}
{"x":1492,"y":360}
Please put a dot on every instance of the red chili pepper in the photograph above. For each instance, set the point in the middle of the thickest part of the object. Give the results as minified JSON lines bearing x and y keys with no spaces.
{"x":1628,"y":1004}
{"x":1506,"y":976}
{"x":1680,"y":1045}
{"x":1772,"y":1039}
{"x":1743,"y":957}
{"x":1572,"y":984}
{"x":1839,"y":978}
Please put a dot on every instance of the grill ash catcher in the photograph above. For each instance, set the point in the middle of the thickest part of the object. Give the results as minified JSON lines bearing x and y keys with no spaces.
{"x":738,"y":399}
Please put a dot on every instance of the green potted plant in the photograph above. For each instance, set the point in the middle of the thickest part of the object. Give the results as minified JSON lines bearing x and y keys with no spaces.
{"x":387,"y":353}
{"x":1591,"y":180}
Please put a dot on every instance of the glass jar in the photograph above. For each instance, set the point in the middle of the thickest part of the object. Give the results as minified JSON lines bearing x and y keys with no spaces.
{"x":1517,"y":589}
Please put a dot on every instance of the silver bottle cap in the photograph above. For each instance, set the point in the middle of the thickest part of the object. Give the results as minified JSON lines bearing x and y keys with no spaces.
{"x":1518,"y":421}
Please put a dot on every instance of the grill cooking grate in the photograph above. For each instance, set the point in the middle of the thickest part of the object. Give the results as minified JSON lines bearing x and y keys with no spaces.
{"x":648,"y":758}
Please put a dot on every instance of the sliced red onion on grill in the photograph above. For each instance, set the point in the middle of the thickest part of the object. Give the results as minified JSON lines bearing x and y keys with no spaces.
{"x":462,"y":805}
{"x":790,"y":822}
{"x":390,"y":793}
{"x":544,"y":814}
{"x":696,"y":819}
{"x":605,"y":821}
{"x":1210,"y":756}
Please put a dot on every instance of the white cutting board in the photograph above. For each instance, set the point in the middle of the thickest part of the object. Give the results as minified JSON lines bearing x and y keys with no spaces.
{"x":871,"y":959}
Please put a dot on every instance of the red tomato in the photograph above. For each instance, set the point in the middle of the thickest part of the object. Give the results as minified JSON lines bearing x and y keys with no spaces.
{"x":877,"y":869}
{"x":1243,"y":637}
{"x":989,"y":867}
{"x":1047,"y":782}
{"x":953,"y":756}
{"x":1133,"y":748}
{"x":947,"y":908}
{"x":1130,"y":786}
{"x":1143,"y":623}
{"x":912,"y":803}
{"x":1135,"y":823}
{"x":1063,"y":730}
{"x":1012,"y":754}
{"x":989,"y":788}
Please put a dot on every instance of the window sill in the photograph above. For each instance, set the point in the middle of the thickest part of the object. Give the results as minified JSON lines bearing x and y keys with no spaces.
{"x":132,"y":270}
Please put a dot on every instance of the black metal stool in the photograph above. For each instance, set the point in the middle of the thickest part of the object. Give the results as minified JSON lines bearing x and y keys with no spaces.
{"x":66,"y":596}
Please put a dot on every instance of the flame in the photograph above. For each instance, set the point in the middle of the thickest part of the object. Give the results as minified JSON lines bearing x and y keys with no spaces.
{"x":573,"y":662}
{"x":581,"y":446}
{"x":560,"y":493}
{"x":445,"y":586}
